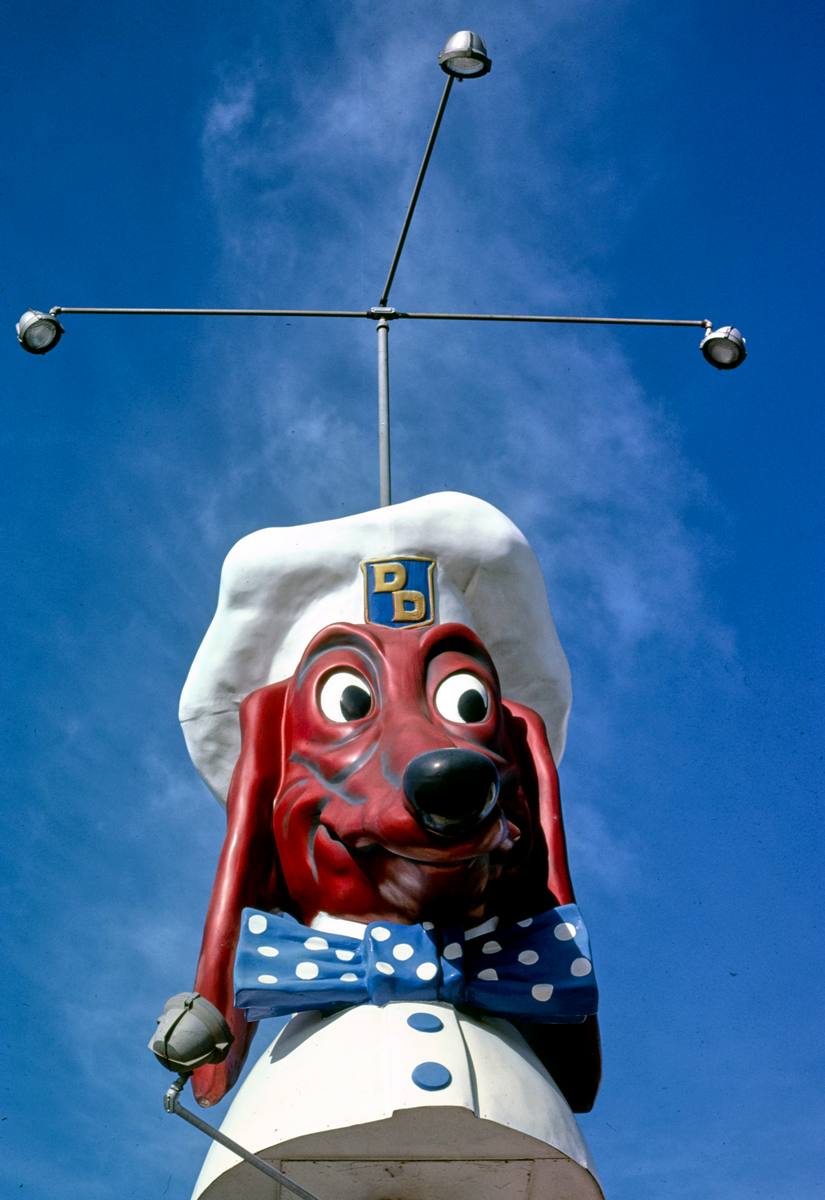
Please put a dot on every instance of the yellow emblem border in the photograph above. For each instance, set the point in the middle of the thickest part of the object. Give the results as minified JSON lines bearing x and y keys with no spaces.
{"x":386,"y":558}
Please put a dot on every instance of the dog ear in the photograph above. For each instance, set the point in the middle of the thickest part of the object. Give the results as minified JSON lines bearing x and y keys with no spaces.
{"x":571,"y":1053}
{"x":532,"y":748}
{"x":246,"y":876}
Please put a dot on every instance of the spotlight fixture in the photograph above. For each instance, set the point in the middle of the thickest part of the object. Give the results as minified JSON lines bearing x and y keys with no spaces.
{"x":465,"y":56}
{"x":190,"y":1033}
{"x":724,"y":348}
{"x":38,"y":332}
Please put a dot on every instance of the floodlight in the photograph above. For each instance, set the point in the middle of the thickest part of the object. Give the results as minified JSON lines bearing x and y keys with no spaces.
{"x":724,"y":348}
{"x":465,"y":56}
{"x":190,"y":1033}
{"x":38,"y":332}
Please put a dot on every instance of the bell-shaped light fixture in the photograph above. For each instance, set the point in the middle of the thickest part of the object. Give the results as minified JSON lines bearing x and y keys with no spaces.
{"x":465,"y":56}
{"x":724,"y":348}
{"x":190,"y":1033}
{"x":38,"y":332}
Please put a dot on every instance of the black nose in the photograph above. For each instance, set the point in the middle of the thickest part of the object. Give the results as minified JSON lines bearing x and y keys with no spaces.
{"x":451,"y":791}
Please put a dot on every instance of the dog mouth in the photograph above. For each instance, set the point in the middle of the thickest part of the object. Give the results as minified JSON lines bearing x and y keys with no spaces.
{"x":497,"y":838}
{"x":446,"y":882}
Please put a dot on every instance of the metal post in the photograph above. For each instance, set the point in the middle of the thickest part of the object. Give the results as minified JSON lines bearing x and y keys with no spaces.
{"x":382,"y":328}
{"x":422,"y":171}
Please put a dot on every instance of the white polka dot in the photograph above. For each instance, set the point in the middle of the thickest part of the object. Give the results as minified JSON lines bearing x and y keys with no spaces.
{"x":268,"y":951}
{"x":402,"y":951}
{"x":488,"y":974}
{"x":380,"y":933}
{"x":306,"y":970}
{"x":316,"y":943}
{"x":426,"y":971}
{"x":428,"y":925}
{"x":490,"y":948}
{"x":348,"y":977}
{"x":526,"y":923}
{"x":528,"y":957}
{"x":453,"y":950}
{"x":256,"y":924}
{"x":542,"y":991}
{"x":565,"y":931}
{"x":345,"y":955}
{"x":580,"y":967}
{"x":385,"y":968}
{"x":267,"y":979}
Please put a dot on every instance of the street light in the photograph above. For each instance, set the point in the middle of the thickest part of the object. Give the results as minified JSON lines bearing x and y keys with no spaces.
{"x":724,"y":348}
{"x":464,"y":57}
{"x":38,"y":332}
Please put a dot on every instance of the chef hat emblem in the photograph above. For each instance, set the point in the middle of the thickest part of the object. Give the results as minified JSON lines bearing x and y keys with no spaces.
{"x":437,"y":559}
{"x":399,"y":592}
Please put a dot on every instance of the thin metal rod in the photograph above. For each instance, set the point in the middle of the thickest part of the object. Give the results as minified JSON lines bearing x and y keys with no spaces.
{"x":209,"y":312}
{"x":371,"y":315}
{"x":172,"y":1104}
{"x":422,"y":171}
{"x":382,"y":329}
{"x":423,"y":316}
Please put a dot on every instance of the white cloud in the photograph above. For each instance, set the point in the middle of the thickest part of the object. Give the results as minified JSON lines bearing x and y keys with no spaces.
{"x":230,"y":111}
{"x":605,"y":856}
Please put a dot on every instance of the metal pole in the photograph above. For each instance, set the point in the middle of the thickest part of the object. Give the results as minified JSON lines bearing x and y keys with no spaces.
{"x":519,"y":318}
{"x":207,"y":312}
{"x":422,"y":171}
{"x":172,"y":1104}
{"x":373,"y":314}
{"x":384,"y":477}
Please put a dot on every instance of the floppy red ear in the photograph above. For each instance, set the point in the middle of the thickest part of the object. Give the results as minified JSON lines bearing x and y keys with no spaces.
{"x":571,"y":1053}
{"x":527,"y":728}
{"x":246,"y":876}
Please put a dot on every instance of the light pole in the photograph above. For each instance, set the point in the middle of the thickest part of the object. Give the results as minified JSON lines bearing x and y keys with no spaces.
{"x":464,"y":57}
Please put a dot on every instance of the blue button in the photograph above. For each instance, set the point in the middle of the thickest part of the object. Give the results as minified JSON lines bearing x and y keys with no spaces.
{"x":431,"y":1076}
{"x":425,"y":1022}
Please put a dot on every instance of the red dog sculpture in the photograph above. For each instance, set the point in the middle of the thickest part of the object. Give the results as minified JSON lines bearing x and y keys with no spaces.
{"x":389,"y":780}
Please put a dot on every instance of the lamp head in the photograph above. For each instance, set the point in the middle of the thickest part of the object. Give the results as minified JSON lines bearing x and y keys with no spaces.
{"x":724,"y":348}
{"x":465,"y":56}
{"x":190,"y":1033}
{"x":38,"y":332}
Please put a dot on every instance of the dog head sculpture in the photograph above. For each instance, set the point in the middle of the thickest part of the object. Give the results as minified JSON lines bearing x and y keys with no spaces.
{"x":406,"y":791}
{"x":388,"y":779}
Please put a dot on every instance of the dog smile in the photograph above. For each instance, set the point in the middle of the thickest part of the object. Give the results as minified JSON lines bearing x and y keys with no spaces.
{"x":497,"y":836}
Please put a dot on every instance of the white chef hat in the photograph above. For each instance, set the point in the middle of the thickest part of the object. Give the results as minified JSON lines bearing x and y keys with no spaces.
{"x":444,"y":557}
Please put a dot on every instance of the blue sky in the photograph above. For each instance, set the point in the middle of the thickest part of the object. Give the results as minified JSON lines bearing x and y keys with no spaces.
{"x":626,"y":158}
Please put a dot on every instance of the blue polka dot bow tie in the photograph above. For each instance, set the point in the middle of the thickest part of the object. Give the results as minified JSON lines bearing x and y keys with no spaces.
{"x":540,"y":968}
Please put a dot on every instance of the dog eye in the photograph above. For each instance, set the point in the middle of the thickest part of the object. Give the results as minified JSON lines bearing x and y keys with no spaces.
{"x":463,"y":698}
{"x":345,"y":696}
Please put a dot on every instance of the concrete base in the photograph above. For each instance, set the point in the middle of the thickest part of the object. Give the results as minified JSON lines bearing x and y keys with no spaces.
{"x":333,"y":1103}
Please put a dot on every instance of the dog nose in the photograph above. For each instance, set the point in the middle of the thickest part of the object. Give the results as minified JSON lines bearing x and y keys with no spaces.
{"x":451,"y":791}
